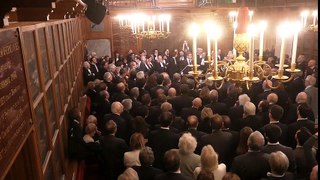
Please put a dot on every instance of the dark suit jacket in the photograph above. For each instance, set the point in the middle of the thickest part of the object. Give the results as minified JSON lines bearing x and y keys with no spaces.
{"x":147,"y":172}
{"x":181,"y":102}
{"x":294,"y":127}
{"x":287,"y":176}
{"x":88,"y":76}
{"x":173,"y":66}
{"x":122,"y":131}
{"x":294,"y":87}
{"x":188,"y":111}
{"x":218,"y":107}
{"x":262,"y":96}
{"x":251,"y":166}
{"x":221,"y":142}
{"x":236,"y":114}
{"x":172,"y":176}
{"x":160,"y":141}
{"x":301,"y":162}
{"x":291,"y":115}
{"x":286,"y":150}
{"x":252,"y":121}
{"x":113,"y":149}
{"x":158,"y":68}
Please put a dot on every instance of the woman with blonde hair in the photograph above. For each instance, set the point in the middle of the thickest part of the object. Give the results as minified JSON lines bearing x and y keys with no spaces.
{"x":131,"y":158}
{"x":205,"y":123}
{"x":209,"y":163}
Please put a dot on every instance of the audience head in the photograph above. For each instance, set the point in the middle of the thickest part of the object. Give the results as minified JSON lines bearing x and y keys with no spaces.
{"x":74,"y":114}
{"x":121,"y":87}
{"x":184,"y":89}
{"x":197,"y":103}
{"x":140,"y":125}
{"x":91,"y":129}
{"x":116,"y":108}
{"x":111,"y":127}
{"x":231,"y":176}
{"x":166,"y":107}
{"x":187,"y":144}
{"x":166,"y":119}
{"x":273,"y":133}
{"x":213,"y":95}
{"x":276,"y":113}
{"x":160,"y":79}
{"x":172,"y":92}
{"x":107,"y":77}
{"x":279,"y":163}
{"x":226,"y":121}
{"x":243,"y":98}
{"x":137,"y":141}
{"x":127,"y":104}
{"x":244,"y":135}
{"x":192,"y":121}
{"x":91,"y":85}
{"x":272,"y":98}
{"x":134,"y":92}
{"x":205,"y":175}
{"x":267,"y":84}
{"x":140,"y":75}
{"x":146,"y":99}
{"x":312,"y":63}
{"x":249,"y":109}
{"x":217,"y":122}
{"x":302,"y":135}
{"x":255,"y":141}
{"x":176,"y":77}
{"x":146,"y":157}
{"x":263,"y":105}
{"x":129,"y":174}
{"x":209,"y":158}
{"x":86,"y":65}
{"x":92,"y":119}
{"x":303,"y":110}
{"x":171,"y":160}
{"x":314,"y":173}
{"x":310,"y":81}
{"x":206,"y":113}
{"x":301,"y":97}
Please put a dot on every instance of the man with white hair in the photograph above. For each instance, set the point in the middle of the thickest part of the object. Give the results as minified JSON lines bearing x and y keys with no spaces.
{"x":312,"y":94}
{"x":254,"y":164}
{"x":116,"y":111}
{"x":249,"y":117}
{"x":88,"y":75}
{"x":236,"y":113}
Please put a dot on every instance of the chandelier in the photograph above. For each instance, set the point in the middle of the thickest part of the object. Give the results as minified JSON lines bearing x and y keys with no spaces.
{"x":145,"y":26}
{"x":304,"y":20}
{"x":240,"y":70}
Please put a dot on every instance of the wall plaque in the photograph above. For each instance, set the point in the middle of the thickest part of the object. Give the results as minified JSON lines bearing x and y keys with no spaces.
{"x":15,"y":111}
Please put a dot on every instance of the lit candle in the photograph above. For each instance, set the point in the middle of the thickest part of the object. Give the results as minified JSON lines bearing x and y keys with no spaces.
{"x":315,"y":15}
{"x":168,"y":20}
{"x":215,"y":57}
{"x":234,"y":52}
{"x":282,"y":54}
{"x":250,"y":15}
{"x":154,"y":23}
{"x":295,"y":43}
{"x":251,"y":53}
{"x":209,"y":48}
{"x":194,"y":52}
{"x":160,"y":25}
{"x":262,"y":26}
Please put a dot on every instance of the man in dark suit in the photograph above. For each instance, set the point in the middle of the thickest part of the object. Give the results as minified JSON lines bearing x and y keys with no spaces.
{"x":266,"y":86}
{"x":159,"y":65}
{"x":217,"y":107}
{"x":113,"y":149}
{"x":295,"y":86}
{"x":88,"y":75}
{"x":116,"y":110}
{"x":94,"y":67}
{"x":172,"y":166}
{"x":194,"y":110}
{"x":146,"y":170}
{"x":192,"y":124}
{"x":184,"y":68}
{"x":302,"y":121}
{"x":273,"y":133}
{"x":182,"y":101}
{"x":236,"y":113}
{"x":275,"y":114}
{"x":163,"y":139}
{"x":254,"y":164}
{"x":249,"y":117}
{"x":221,"y":141}
{"x":173,"y":65}
{"x":120,"y":94}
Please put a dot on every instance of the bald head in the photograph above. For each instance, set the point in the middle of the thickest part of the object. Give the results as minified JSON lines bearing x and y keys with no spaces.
{"x":301,"y":98}
{"x":272,"y":98}
{"x":192,"y":121}
{"x":197,"y":103}
{"x":166,"y":107}
{"x":121,"y":87}
{"x":172,"y":92}
{"x":116,"y":108}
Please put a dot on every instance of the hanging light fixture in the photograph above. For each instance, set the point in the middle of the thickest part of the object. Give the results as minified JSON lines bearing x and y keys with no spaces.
{"x":146,"y":26}
{"x":306,"y":25}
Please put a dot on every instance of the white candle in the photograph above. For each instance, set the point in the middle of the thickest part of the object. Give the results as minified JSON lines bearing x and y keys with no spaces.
{"x":261,"y":43}
{"x":194,"y":52}
{"x":294,"y":47}
{"x":251,"y":53}
{"x":208,"y":44}
{"x":168,"y":25}
{"x":159,"y":25}
{"x":216,"y":57}
{"x":282,"y":54}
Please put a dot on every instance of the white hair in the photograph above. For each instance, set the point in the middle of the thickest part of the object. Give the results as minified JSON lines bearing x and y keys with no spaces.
{"x":140,"y":75}
{"x":127,"y":104}
{"x":187,"y":143}
{"x":243,"y":98}
{"x":249,"y":108}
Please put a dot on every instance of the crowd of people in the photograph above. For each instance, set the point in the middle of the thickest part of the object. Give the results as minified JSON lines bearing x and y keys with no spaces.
{"x":146,"y":119}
